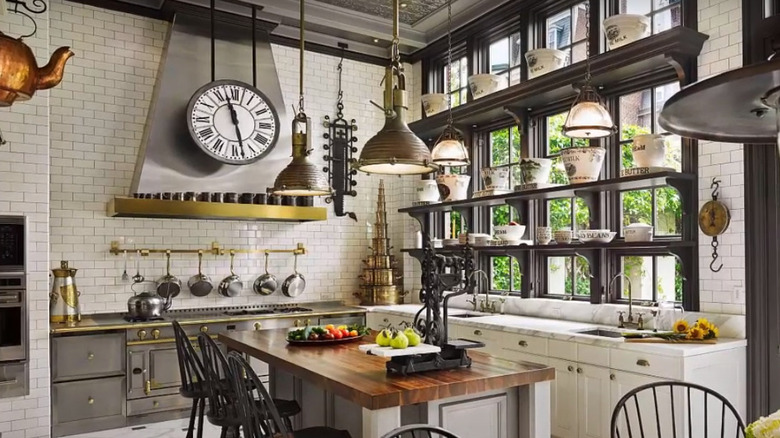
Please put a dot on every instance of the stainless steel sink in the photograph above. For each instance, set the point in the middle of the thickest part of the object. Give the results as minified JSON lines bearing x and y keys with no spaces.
{"x":601,"y":332}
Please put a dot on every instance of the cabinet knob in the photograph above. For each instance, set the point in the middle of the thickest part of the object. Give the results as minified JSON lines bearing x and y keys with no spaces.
{"x":141,"y":334}
{"x":204,"y":329}
{"x":612,"y":377}
{"x":570,"y":368}
{"x":90,"y":356}
{"x":478,"y":332}
{"x":156,"y":334}
{"x":155,"y":403}
{"x":258,"y":326}
{"x":307,"y":321}
{"x":522,"y":343}
{"x":643,"y":363}
{"x":579,"y":370}
{"x":297,"y":323}
{"x":91,"y":401}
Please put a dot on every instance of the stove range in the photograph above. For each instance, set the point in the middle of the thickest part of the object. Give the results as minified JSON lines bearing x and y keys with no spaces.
{"x":129,"y":318}
{"x":294,"y":309}
{"x":249,"y":312}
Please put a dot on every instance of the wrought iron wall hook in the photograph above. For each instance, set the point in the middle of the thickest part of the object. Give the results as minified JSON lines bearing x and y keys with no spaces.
{"x":30,"y":8}
{"x":715,"y":186}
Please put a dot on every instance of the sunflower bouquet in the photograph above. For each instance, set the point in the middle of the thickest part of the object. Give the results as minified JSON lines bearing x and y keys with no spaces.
{"x":700,"y":331}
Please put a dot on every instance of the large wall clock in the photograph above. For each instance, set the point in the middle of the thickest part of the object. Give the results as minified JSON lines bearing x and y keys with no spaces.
{"x":232,"y":122}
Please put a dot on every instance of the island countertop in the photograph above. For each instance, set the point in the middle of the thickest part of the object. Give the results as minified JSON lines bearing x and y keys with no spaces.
{"x":344,"y":370}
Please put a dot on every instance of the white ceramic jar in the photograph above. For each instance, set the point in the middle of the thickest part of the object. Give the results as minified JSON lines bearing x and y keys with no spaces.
{"x":543,"y":235}
{"x":535,"y":170}
{"x":495,"y":178}
{"x":433,"y":103}
{"x":427,"y":190}
{"x":583,"y":165}
{"x":509,"y":232}
{"x":453,"y":187}
{"x":624,"y":29}
{"x":649,"y":150}
{"x":484,"y":84}
{"x":638,"y":232}
{"x":543,"y":61}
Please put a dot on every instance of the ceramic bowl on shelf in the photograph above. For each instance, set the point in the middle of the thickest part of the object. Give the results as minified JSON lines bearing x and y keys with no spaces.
{"x":433,"y":103}
{"x":543,"y":235}
{"x":473,"y":238}
{"x":453,"y":187}
{"x":599,"y":236}
{"x":535,"y":170}
{"x":638,"y":232}
{"x":583,"y":165}
{"x":543,"y":61}
{"x":495,"y":178}
{"x":509,"y":232}
{"x":563,"y":236}
{"x":649,"y":150}
{"x":624,"y":29}
{"x":483,"y":84}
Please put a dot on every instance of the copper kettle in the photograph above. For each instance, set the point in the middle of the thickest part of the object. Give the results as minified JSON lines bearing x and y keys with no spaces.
{"x":20,"y":75}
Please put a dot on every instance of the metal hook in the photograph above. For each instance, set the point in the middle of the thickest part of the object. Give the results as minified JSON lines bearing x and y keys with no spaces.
{"x":715,"y":255}
{"x":716,"y":188}
{"x":712,"y":263}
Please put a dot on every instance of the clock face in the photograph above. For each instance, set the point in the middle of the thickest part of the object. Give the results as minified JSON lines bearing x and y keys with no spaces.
{"x":232,"y":122}
{"x":714,"y":218}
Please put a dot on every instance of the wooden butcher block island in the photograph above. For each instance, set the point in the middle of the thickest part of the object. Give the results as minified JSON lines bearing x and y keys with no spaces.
{"x":342,"y":387}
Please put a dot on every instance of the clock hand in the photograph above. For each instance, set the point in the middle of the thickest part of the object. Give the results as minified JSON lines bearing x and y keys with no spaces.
{"x":234,"y":118}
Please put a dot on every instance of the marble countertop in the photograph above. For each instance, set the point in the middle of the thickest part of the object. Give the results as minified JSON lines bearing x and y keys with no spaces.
{"x":115,"y":321}
{"x":565,"y":331}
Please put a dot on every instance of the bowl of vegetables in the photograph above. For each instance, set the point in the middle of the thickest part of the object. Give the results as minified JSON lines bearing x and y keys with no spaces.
{"x":325,"y":335}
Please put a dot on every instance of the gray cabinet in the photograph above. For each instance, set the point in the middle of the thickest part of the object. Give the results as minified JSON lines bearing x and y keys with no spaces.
{"x":76,"y":357}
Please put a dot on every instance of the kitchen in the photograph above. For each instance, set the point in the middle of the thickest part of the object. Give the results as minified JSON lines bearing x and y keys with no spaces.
{"x":72,"y":150}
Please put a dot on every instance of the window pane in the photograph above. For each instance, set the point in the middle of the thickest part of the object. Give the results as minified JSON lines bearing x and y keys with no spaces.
{"x":579,"y":21}
{"x":581,"y":277}
{"x":499,"y":55}
{"x":555,"y":138}
{"x":559,"y":30}
{"x":669,"y":279}
{"x":635,"y":114}
{"x":662,"y":94}
{"x":639,"y":271}
{"x":453,"y":225}
{"x":578,"y":53}
{"x":499,"y":147}
{"x":559,"y":213}
{"x":558,"y":278}
{"x":642,"y":7}
{"x":658,"y":4}
{"x":637,"y":207}
{"x":582,"y":215}
{"x":515,"y":152}
{"x":667,"y":19}
{"x":674,"y":152}
{"x":668,"y":211}
{"x":455,"y":99}
{"x":517,"y":276}
{"x":500,"y":273}
{"x":500,"y":215}
{"x":464,"y":73}
{"x":514,"y":50}
{"x":514,"y":76}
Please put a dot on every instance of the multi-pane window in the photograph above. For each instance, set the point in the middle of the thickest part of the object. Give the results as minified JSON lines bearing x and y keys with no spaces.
{"x":664,"y":14}
{"x":456,"y":85}
{"x":505,"y":59}
{"x":652,"y":278}
{"x":562,"y":213}
{"x":566,"y":30}
{"x":568,"y":276}
{"x":505,"y":274}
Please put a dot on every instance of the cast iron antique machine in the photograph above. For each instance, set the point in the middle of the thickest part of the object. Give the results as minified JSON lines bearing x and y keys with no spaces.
{"x":440,"y":273}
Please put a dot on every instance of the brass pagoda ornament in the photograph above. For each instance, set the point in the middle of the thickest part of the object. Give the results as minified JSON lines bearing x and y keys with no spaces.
{"x":381,"y":284}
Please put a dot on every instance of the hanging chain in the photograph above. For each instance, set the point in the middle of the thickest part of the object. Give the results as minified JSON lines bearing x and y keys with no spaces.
{"x":340,"y":99}
{"x":448,"y":85}
{"x":302,"y":53}
{"x":587,"y":44}
{"x":715,"y":186}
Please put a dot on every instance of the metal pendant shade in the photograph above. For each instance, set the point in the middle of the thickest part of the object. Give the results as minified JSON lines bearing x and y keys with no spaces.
{"x":301,"y":177}
{"x":587,"y":117}
{"x":395,"y":149}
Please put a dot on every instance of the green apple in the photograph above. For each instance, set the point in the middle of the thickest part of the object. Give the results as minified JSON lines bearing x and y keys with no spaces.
{"x":383,"y":338}
{"x":413,"y":336}
{"x":399,"y":341}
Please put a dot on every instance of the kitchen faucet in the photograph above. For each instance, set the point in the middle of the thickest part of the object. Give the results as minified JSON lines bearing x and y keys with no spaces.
{"x":622,"y":323}
{"x":485,"y":305}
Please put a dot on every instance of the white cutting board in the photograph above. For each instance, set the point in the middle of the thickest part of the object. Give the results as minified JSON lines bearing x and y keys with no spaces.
{"x":376,"y":350}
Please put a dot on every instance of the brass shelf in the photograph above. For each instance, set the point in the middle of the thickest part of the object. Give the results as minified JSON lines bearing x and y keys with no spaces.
{"x":215,"y":249}
{"x":163,"y":209}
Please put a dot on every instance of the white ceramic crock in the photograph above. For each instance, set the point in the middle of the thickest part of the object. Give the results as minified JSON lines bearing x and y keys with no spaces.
{"x":638,"y":233}
{"x":583,"y":165}
{"x":543,"y":61}
{"x":649,"y":150}
{"x":434,"y":103}
{"x":535,"y":170}
{"x":495,"y":178}
{"x":624,"y":29}
{"x":453,"y":187}
{"x":543,"y":235}
{"x":427,"y":190}
{"x":484,"y":84}
{"x":509,"y":232}
{"x":563,"y":236}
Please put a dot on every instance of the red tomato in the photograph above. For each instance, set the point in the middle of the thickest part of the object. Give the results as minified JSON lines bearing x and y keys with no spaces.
{"x":337,"y":334}
{"x":345,"y":333}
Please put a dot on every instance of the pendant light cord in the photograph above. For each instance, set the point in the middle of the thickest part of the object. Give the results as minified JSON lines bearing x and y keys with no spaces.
{"x":587,"y":44}
{"x":302,"y":50}
{"x":449,"y":65}
{"x":213,"y":37}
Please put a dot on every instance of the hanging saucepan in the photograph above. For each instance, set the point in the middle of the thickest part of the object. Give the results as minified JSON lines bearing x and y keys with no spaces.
{"x":266,"y":284}
{"x":168,"y":286}
{"x":231,"y":285}
{"x":200,"y":284}
{"x":294,"y":284}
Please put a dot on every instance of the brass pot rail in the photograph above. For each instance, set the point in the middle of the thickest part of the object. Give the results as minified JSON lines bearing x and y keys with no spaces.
{"x":116,"y":249}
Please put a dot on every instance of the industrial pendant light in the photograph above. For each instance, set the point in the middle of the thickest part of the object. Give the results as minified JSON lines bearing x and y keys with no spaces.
{"x":450,"y":150}
{"x":587,"y":117}
{"x":301,"y":177}
{"x":395,"y":150}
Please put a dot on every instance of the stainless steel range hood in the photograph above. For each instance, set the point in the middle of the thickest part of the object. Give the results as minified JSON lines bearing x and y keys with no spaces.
{"x":169,"y":160}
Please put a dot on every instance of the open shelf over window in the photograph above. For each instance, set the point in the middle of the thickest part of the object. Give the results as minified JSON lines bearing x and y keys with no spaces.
{"x":663,"y":53}
{"x":563,"y":248}
{"x":162,"y":209}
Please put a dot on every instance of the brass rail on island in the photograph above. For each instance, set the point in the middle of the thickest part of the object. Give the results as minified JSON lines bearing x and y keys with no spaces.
{"x":116,"y":249}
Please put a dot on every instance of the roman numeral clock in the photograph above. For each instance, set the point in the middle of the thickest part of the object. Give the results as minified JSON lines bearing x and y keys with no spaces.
{"x":232,"y":122}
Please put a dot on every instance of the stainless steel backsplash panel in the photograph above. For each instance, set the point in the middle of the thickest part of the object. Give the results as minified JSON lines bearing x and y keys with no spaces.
{"x":169,"y":160}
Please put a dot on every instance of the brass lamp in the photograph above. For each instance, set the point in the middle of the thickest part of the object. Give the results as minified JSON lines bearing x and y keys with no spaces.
{"x":395,"y":150}
{"x":301,"y":177}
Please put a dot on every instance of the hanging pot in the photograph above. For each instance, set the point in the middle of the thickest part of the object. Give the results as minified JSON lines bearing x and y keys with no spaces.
{"x":231,"y":285}
{"x":200,"y":284}
{"x":168,"y":286}
{"x":265,"y":284}
{"x":20,"y":76}
{"x":295,"y":283}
